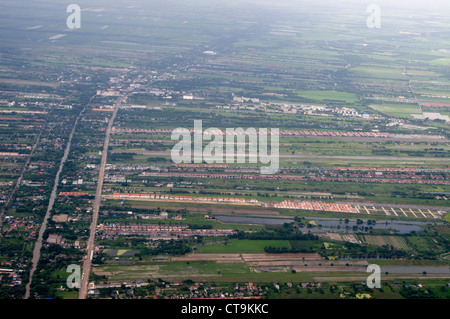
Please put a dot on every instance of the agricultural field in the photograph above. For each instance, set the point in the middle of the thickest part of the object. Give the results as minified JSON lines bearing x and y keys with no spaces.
{"x":396,"y":242}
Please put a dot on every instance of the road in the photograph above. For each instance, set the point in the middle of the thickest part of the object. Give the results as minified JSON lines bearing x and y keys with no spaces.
{"x":19,"y":180}
{"x":413,"y":206}
{"x":96,"y":207}
{"x":38,"y":244}
{"x":298,"y":155}
{"x":411,"y":89}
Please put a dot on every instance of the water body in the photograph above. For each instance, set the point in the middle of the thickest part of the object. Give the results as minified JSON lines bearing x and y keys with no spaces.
{"x":254,"y":220}
{"x":399,"y":227}
{"x":443,"y":270}
{"x":328,"y":224}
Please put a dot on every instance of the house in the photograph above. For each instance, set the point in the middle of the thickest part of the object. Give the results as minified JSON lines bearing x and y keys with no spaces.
{"x":164,"y":215}
{"x":54,"y":239}
{"x":62,"y":218}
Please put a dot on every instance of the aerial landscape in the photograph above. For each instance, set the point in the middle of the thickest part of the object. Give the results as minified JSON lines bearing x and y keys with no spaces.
{"x":224,"y":149}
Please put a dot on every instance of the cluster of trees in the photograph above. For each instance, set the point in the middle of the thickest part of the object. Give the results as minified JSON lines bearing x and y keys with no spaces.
{"x":285,"y":250}
{"x":179,"y":247}
{"x":280,"y":234}
{"x":356,"y":251}
{"x":48,"y":274}
{"x":195,"y":226}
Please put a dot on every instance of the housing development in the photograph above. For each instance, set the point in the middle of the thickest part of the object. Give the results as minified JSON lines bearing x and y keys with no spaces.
{"x":323,"y":150}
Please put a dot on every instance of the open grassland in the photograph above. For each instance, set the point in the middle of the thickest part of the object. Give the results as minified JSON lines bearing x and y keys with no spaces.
{"x":243,"y":246}
{"x":328,"y":95}
{"x":28,"y":82}
{"x":447,"y":217}
{"x":399,"y":110}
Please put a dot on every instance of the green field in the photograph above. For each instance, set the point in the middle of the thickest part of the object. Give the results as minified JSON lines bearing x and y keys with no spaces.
{"x":328,"y":95}
{"x":394,"y":241}
{"x":447,"y":217}
{"x":175,"y":270}
{"x":378,"y":73}
{"x":420,"y":243}
{"x":400,"y":110}
{"x":120,"y":252}
{"x":308,"y":245}
{"x":243,"y":246}
{"x":441,"y":62}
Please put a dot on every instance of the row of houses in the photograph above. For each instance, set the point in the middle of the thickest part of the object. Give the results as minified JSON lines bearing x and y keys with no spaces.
{"x":127,"y":167}
{"x":282,"y":132}
{"x":378,"y":169}
{"x":399,"y":175}
{"x":14,"y":154}
{"x":414,"y":180}
{"x":115,"y":227}
{"x":333,"y":133}
{"x":313,"y":205}
{"x":14,"y":223}
{"x":221,"y":176}
{"x":182,"y":198}
{"x":23,"y":112}
{"x":16,"y":279}
{"x":163,"y":231}
{"x":20,"y":119}
{"x":76,"y":194}
{"x":378,"y":177}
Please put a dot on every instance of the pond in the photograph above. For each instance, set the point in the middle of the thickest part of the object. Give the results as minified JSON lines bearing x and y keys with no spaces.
{"x":328,"y":224}
{"x":254,"y":220}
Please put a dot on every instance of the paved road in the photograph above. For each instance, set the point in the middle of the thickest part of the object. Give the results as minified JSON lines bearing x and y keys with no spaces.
{"x":38,"y":244}
{"x":412,"y":206}
{"x":373,"y":158}
{"x":345,"y":157}
{"x":98,"y":194}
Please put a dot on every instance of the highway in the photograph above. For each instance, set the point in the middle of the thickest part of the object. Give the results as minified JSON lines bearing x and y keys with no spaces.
{"x":96,"y":207}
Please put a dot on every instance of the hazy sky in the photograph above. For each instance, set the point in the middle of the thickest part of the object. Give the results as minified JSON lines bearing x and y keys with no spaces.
{"x":406,"y":5}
